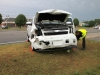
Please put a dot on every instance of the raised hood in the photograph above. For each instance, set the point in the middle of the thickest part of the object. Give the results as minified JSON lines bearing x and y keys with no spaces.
{"x":51,"y":15}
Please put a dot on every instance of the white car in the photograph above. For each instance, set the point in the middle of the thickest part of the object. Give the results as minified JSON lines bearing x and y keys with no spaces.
{"x":51,"y":30}
{"x":96,"y":27}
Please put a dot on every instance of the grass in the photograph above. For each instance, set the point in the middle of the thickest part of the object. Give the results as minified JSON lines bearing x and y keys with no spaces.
{"x":14,"y":28}
{"x":80,"y":27}
{"x":18,"y":59}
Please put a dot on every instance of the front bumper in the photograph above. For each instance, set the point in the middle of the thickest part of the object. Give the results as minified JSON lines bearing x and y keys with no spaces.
{"x":71,"y":47}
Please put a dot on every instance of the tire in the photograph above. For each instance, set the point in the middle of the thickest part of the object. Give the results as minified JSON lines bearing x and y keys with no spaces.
{"x":28,"y":40}
{"x":35,"y":49}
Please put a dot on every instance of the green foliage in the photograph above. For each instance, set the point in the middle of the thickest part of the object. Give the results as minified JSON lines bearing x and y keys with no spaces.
{"x":97,"y":21}
{"x":87,"y":22}
{"x":0,"y":18}
{"x":90,"y":72}
{"x":20,"y":20}
{"x":76,"y":22}
{"x":91,"y":23}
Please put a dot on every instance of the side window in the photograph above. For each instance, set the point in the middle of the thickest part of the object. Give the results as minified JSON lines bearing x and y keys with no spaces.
{"x":71,"y":26}
{"x":70,"y":20}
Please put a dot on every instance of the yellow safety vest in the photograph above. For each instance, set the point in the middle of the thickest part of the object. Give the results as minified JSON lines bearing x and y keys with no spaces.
{"x":84,"y":32}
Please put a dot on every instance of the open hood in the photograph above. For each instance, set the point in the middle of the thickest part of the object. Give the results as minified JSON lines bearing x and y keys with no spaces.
{"x":51,"y":15}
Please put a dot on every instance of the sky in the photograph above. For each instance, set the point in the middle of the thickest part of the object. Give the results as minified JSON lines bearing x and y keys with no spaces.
{"x":84,"y":10}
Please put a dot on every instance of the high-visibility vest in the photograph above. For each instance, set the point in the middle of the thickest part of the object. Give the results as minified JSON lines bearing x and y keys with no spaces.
{"x":84,"y":32}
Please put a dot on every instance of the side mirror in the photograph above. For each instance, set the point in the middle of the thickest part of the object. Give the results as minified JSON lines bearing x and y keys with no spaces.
{"x":29,"y":23}
{"x":68,"y":23}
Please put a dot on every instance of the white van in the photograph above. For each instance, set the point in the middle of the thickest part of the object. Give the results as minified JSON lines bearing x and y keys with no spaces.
{"x":51,"y":30}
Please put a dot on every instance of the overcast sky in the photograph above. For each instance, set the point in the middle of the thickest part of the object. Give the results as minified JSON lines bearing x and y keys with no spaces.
{"x":81,"y":9}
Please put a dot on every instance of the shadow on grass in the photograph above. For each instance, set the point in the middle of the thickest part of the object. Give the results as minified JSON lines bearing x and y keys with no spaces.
{"x":57,"y":52}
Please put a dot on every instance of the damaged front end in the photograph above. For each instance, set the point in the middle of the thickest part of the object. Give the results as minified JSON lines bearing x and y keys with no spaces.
{"x":50,"y":31}
{"x":67,"y":41}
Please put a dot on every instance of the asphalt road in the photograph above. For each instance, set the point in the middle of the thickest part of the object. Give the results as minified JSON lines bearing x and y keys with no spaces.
{"x":12,"y":36}
{"x":20,"y":36}
{"x":93,"y":34}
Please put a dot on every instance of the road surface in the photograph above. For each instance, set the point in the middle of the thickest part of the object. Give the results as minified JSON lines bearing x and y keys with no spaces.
{"x":13,"y":36}
{"x":93,"y":34}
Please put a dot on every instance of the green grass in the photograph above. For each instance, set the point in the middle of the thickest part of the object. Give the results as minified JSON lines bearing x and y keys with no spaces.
{"x":18,"y":59}
{"x":14,"y":28}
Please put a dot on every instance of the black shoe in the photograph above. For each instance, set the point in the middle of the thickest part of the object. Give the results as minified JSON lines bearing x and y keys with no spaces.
{"x":83,"y":49}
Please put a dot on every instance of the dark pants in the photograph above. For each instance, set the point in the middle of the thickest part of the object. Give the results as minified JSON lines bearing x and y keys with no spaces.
{"x":83,"y":43}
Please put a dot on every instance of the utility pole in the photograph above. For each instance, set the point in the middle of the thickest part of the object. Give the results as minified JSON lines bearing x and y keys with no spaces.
{"x":7,"y":16}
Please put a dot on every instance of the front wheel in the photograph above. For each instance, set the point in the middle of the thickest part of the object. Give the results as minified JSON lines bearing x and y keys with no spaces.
{"x":35,"y":49}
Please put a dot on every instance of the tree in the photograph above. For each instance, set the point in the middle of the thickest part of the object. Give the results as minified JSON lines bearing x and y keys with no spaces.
{"x":91,"y":23}
{"x":97,"y":21}
{"x":87,"y":22}
{"x":76,"y":22}
{"x":0,"y":18}
{"x":20,"y":20}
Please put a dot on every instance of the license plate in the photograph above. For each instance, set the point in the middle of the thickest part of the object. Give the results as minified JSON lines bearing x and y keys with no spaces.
{"x":57,"y":43}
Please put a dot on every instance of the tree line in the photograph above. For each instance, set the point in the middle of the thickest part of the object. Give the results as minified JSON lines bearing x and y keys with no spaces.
{"x":90,"y":23}
{"x":21,"y":21}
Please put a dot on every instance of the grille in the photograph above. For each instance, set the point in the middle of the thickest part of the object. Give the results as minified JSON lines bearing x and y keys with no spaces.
{"x":56,"y":33}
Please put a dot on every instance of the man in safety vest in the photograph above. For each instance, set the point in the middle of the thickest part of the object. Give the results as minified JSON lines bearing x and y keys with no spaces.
{"x":80,"y":35}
